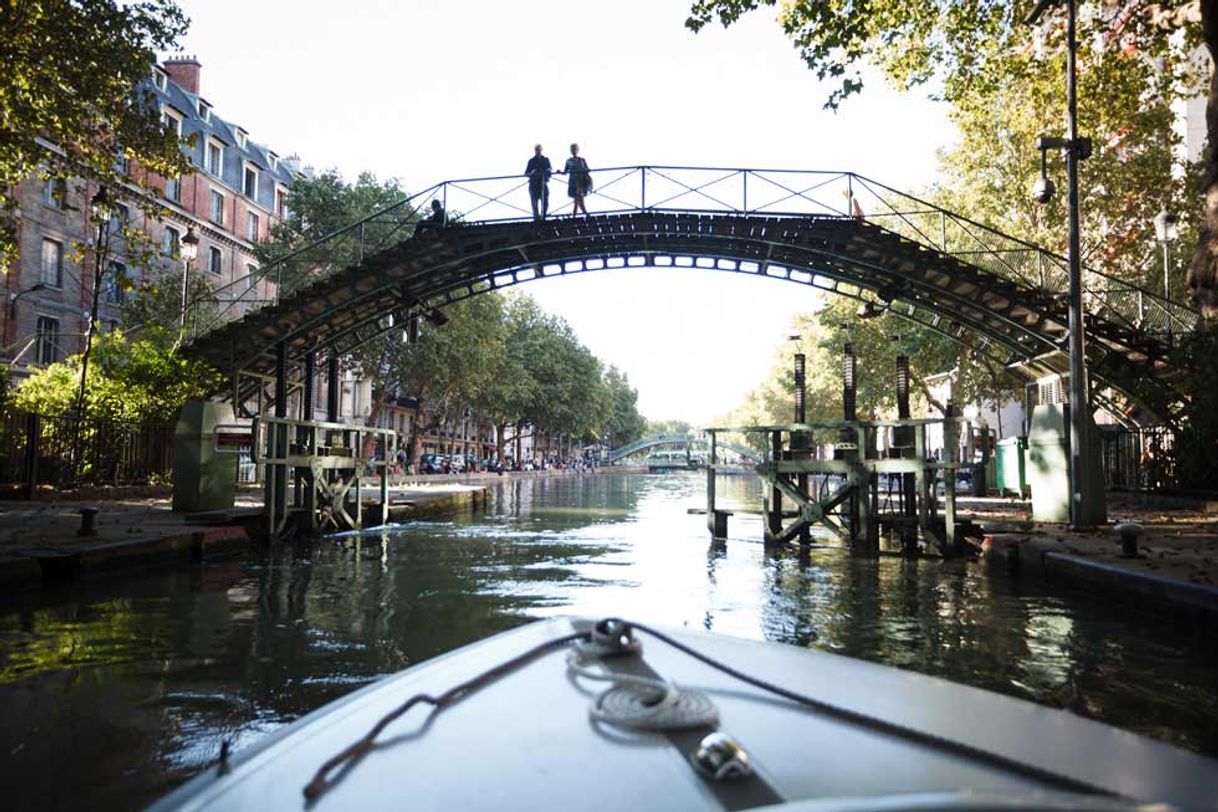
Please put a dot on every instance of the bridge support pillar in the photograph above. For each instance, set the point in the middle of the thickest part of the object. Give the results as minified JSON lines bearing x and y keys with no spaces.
{"x":275,"y":497}
{"x":303,"y":436}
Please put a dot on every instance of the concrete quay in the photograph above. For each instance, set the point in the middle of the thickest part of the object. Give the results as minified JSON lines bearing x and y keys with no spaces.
{"x":1175,"y":570}
{"x":41,"y":542}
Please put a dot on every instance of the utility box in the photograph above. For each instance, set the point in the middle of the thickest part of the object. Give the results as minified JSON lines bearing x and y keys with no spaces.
{"x":1048,"y":468}
{"x":203,"y":478}
{"x":1010,"y":475}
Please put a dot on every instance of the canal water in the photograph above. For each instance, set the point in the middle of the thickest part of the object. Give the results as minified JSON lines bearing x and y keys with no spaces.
{"x":113,"y":691}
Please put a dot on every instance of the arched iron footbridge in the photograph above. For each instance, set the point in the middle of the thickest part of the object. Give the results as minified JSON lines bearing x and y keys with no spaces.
{"x":831,"y":231}
{"x":666,"y":440}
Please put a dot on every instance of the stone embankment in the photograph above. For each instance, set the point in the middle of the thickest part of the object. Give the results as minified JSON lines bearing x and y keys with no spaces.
{"x":1175,"y":568}
{"x":41,"y":541}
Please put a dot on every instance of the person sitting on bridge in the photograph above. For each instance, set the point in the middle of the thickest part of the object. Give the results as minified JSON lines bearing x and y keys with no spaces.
{"x":538,"y":172}
{"x":434,"y":222}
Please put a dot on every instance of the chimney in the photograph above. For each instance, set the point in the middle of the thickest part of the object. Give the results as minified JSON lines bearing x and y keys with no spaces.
{"x":183,"y":71}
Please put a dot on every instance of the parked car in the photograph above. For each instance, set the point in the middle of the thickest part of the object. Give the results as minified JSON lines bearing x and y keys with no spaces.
{"x":431,"y":464}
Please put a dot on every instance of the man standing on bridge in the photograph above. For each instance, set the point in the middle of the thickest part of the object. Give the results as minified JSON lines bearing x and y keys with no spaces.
{"x":538,"y":172}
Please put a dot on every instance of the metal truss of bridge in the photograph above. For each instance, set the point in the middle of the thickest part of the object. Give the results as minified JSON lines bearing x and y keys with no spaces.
{"x":682,"y":440}
{"x":829,"y":231}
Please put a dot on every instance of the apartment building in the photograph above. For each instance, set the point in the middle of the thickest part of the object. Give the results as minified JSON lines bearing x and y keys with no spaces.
{"x":237,"y":190}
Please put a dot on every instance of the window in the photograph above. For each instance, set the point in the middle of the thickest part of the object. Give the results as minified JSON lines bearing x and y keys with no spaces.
{"x":172,"y":120}
{"x":173,"y":189}
{"x":118,"y":220}
{"x":48,"y":340}
{"x":241,"y":136}
{"x":159,"y":79}
{"x":215,"y":157}
{"x":251,"y":182}
{"x":52,"y":264}
{"x":281,"y":203}
{"x":204,"y":110}
{"x":251,"y":227}
{"x":116,"y":283}
{"x":273,"y":159}
{"x":214,"y":260}
{"x":171,"y":242}
{"x":55,"y":193}
{"x":250,"y":278}
{"x":122,"y":163}
{"x":217,"y":207}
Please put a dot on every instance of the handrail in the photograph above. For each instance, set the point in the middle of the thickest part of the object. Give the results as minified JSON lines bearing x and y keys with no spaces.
{"x":725,"y":190}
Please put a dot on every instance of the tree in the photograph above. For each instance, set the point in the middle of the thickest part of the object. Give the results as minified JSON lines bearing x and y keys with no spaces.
{"x":973,"y":50}
{"x":625,"y":424}
{"x":153,"y":310}
{"x":321,"y":206}
{"x":132,"y":380}
{"x":70,"y":95}
{"x":449,"y":366}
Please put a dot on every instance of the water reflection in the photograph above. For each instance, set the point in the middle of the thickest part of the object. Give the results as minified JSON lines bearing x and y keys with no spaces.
{"x":116,"y":690}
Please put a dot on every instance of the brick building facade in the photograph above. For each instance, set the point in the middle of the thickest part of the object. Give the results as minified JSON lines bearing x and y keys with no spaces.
{"x":237,"y":191}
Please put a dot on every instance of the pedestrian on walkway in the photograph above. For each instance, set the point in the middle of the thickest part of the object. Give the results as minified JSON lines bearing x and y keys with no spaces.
{"x":579,"y":181}
{"x":538,"y":172}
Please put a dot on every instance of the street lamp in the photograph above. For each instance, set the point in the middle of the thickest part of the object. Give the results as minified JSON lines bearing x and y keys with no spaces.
{"x":1075,"y":149}
{"x":1166,"y":231}
{"x":11,"y":323}
{"x":190,"y":250}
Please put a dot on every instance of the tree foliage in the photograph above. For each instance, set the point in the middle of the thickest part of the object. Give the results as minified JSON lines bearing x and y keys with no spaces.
{"x":70,"y":99}
{"x":325,"y":204}
{"x":979,"y":56}
{"x":153,"y":310}
{"x":131,"y":380}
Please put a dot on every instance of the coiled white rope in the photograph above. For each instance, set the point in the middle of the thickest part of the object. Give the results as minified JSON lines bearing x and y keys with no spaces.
{"x":635,"y":702}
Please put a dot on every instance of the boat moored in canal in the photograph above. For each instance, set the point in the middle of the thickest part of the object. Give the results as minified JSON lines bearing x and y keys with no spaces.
{"x":510,"y":725}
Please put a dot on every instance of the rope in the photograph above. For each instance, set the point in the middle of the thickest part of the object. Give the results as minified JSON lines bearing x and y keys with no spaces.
{"x":646,"y":703}
{"x":322,"y":781}
{"x":884,"y":726}
{"x":640,"y":703}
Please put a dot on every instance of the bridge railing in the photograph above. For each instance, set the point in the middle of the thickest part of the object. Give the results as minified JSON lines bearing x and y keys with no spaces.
{"x":765,"y":192}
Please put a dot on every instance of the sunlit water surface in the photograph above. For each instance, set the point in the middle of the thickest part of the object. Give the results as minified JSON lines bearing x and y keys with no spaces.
{"x":113,"y":691}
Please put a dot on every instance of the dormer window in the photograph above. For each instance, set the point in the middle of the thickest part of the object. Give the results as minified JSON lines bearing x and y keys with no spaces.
{"x":172,"y":119}
{"x":250,"y":182}
{"x":274,"y":160}
{"x":159,"y":79}
{"x":214,"y":157}
{"x":204,"y":111}
{"x":241,"y":134}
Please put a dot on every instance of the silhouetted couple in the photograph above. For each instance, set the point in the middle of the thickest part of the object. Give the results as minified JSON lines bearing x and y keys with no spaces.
{"x":579,"y":181}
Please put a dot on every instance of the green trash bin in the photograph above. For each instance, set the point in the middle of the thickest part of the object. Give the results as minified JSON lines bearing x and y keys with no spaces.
{"x":203,"y":478}
{"x":1010,"y":475}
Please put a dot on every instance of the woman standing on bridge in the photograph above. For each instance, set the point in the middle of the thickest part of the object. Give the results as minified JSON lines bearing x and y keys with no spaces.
{"x":579,"y":181}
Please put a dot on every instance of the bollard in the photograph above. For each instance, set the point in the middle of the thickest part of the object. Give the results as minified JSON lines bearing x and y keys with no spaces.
{"x":1127,"y":534}
{"x":88,"y":521}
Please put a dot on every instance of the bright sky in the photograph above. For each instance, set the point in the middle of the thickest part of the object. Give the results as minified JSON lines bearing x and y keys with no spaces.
{"x":427,"y":90}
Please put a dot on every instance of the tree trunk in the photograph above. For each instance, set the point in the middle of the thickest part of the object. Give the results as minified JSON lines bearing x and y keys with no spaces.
{"x":1204,"y":266}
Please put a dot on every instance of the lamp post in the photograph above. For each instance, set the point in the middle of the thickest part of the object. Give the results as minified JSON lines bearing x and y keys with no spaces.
{"x":1075,"y":150}
{"x":1166,"y":231}
{"x":10,"y":328}
{"x":190,"y":250}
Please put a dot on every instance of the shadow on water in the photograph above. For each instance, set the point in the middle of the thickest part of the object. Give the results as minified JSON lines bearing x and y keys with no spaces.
{"x":113,"y":691}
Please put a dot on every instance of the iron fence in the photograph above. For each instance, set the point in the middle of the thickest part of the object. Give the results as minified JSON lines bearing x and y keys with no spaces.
{"x":708,"y":190}
{"x":61,"y":451}
{"x":1138,"y":459}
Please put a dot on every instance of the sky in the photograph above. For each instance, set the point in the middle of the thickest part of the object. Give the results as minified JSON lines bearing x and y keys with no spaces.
{"x":429,"y":90}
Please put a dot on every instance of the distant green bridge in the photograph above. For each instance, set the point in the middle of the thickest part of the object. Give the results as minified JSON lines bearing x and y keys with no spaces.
{"x":686,"y":440}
